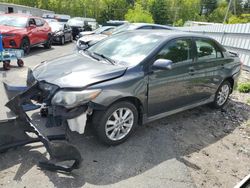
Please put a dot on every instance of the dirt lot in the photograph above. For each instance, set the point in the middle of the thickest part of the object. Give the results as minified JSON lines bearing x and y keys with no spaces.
{"x":202,"y":147}
{"x":227,"y":160}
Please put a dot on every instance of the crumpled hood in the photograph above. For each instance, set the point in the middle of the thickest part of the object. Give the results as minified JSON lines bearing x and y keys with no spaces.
{"x":86,"y":33}
{"x":96,"y":37}
{"x":76,"y":71}
{"x":6,"y":29}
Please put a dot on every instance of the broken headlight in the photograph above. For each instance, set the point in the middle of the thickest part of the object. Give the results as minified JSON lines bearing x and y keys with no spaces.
{"x":70,"y":99}
{"x":48,"y":90}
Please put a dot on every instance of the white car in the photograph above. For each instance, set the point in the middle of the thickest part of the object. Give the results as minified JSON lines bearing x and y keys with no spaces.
{"x":100,"y":30}
{"x":88,"y":40}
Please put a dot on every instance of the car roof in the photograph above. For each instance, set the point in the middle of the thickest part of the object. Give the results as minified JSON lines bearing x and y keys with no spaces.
{"x":167,"y":33}
{"x":150,"y":24}
{"x":22,"y":15}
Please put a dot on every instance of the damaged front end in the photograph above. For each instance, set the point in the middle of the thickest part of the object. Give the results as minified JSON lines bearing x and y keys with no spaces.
{"x":22,"y":130}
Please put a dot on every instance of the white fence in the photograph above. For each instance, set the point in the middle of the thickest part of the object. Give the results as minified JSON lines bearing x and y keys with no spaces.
{"x":235,"y":37}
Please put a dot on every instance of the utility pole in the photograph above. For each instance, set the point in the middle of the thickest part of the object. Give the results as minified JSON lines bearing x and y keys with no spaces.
{"x":228,"y":8}
{"x":235,"y":7}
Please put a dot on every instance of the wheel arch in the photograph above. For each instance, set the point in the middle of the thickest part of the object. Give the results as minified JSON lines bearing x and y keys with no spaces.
{"x":135,"y":101}
{"x":24,"y":37}
{"x":231,"y":81}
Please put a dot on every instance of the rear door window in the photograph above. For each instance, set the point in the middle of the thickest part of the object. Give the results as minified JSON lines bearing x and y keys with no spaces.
{"x":146,"y":27}
{"x":207,"y":49}
{"x":179,"y":50}
{"x":158,"y":27}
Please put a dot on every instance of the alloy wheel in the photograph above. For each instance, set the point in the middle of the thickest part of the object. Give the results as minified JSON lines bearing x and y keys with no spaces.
{"x":25,"y":46}
{"x":223,"y":95}
{"x":119,"y":124}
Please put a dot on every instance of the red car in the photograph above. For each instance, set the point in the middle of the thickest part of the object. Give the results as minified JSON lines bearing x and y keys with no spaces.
{"x":23,"y":31}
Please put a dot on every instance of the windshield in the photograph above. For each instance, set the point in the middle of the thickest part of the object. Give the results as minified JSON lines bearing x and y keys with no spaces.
{"x":76,"y":22}
{"x":124,"y":27}
{"x":56,"y":26}
{"x":101,"y":29}
{"x":130,"y":48}
{"x":13,"y":21}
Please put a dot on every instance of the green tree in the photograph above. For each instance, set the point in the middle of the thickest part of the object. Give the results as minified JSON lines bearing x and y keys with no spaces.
{"x":243,"y":18}
{"x":219,"y":13}
{"x":112,"y":10}
{"x":208,"y":6}
{"x":160,"y":12}
{"x":138,"y":14}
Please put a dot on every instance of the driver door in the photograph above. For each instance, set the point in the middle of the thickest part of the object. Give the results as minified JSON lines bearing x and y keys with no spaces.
{"x":33,"y":31}
{"x":172,"y":89}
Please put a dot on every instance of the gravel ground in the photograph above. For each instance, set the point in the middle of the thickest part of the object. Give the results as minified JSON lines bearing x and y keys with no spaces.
{"x":227,"y":161}
{"x":201,"y":147}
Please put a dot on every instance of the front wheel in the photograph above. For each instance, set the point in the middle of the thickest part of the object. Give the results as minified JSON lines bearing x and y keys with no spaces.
{"x":116,"y":124}
{"x":25,"y":46}
{"x":222,"y":94}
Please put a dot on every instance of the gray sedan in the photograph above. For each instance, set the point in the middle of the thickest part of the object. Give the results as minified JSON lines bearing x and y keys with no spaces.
{"x":133,"y":78}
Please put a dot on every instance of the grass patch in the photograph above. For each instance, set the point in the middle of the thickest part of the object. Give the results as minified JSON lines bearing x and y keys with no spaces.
{"x":248,"y":101}
{"x":244,"y":87}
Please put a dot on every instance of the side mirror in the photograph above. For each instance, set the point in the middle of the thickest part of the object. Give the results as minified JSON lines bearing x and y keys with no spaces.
{"x":163,"y":64}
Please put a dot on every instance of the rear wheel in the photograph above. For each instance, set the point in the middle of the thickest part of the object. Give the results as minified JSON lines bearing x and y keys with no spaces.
{"x":6,"y":65}
{"x":25,"y":46}
{"x":222,"y":94}
{"x":116,"y":124}
{"x":20,"y":63}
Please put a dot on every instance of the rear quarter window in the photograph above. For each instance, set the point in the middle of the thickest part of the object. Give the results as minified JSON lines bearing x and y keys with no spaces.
{"x":207,"y":49}
{"x":39,"y":22}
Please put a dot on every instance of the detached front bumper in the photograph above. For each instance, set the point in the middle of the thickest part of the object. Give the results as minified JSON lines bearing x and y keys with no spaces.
{"x":15,"y":132}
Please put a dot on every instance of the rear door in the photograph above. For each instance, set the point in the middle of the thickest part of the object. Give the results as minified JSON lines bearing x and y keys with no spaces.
{"x":172,"y":89}
{"x":67,"y":32}
{"x":209,"y":67}
{"x":41,"y":33}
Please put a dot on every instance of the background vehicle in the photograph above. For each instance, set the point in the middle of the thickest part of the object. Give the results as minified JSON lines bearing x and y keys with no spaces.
{"x":100,"y":30}
{"x":50,"y":20}
{"x":79,"y":24}
{"x":58,"y":17}
{"x":86,"y":41}
{"x":61,"y":32}
{"x":136,"y":77}
{"x":24,"y":32}
{"x":115,"y":23}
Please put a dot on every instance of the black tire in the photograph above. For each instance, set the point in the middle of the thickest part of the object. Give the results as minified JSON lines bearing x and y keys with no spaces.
{"x":216,"y":104}
{"x":48,"y":44}
{"x":100,"y":119}
{"x":25,"y":46}
{"x":6,"y":65}
{"x":20,"y":63}
{"x":62,"y":42}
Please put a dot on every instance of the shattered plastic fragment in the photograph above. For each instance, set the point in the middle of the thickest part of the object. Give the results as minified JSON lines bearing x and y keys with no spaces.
{"x":13,"y":134}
